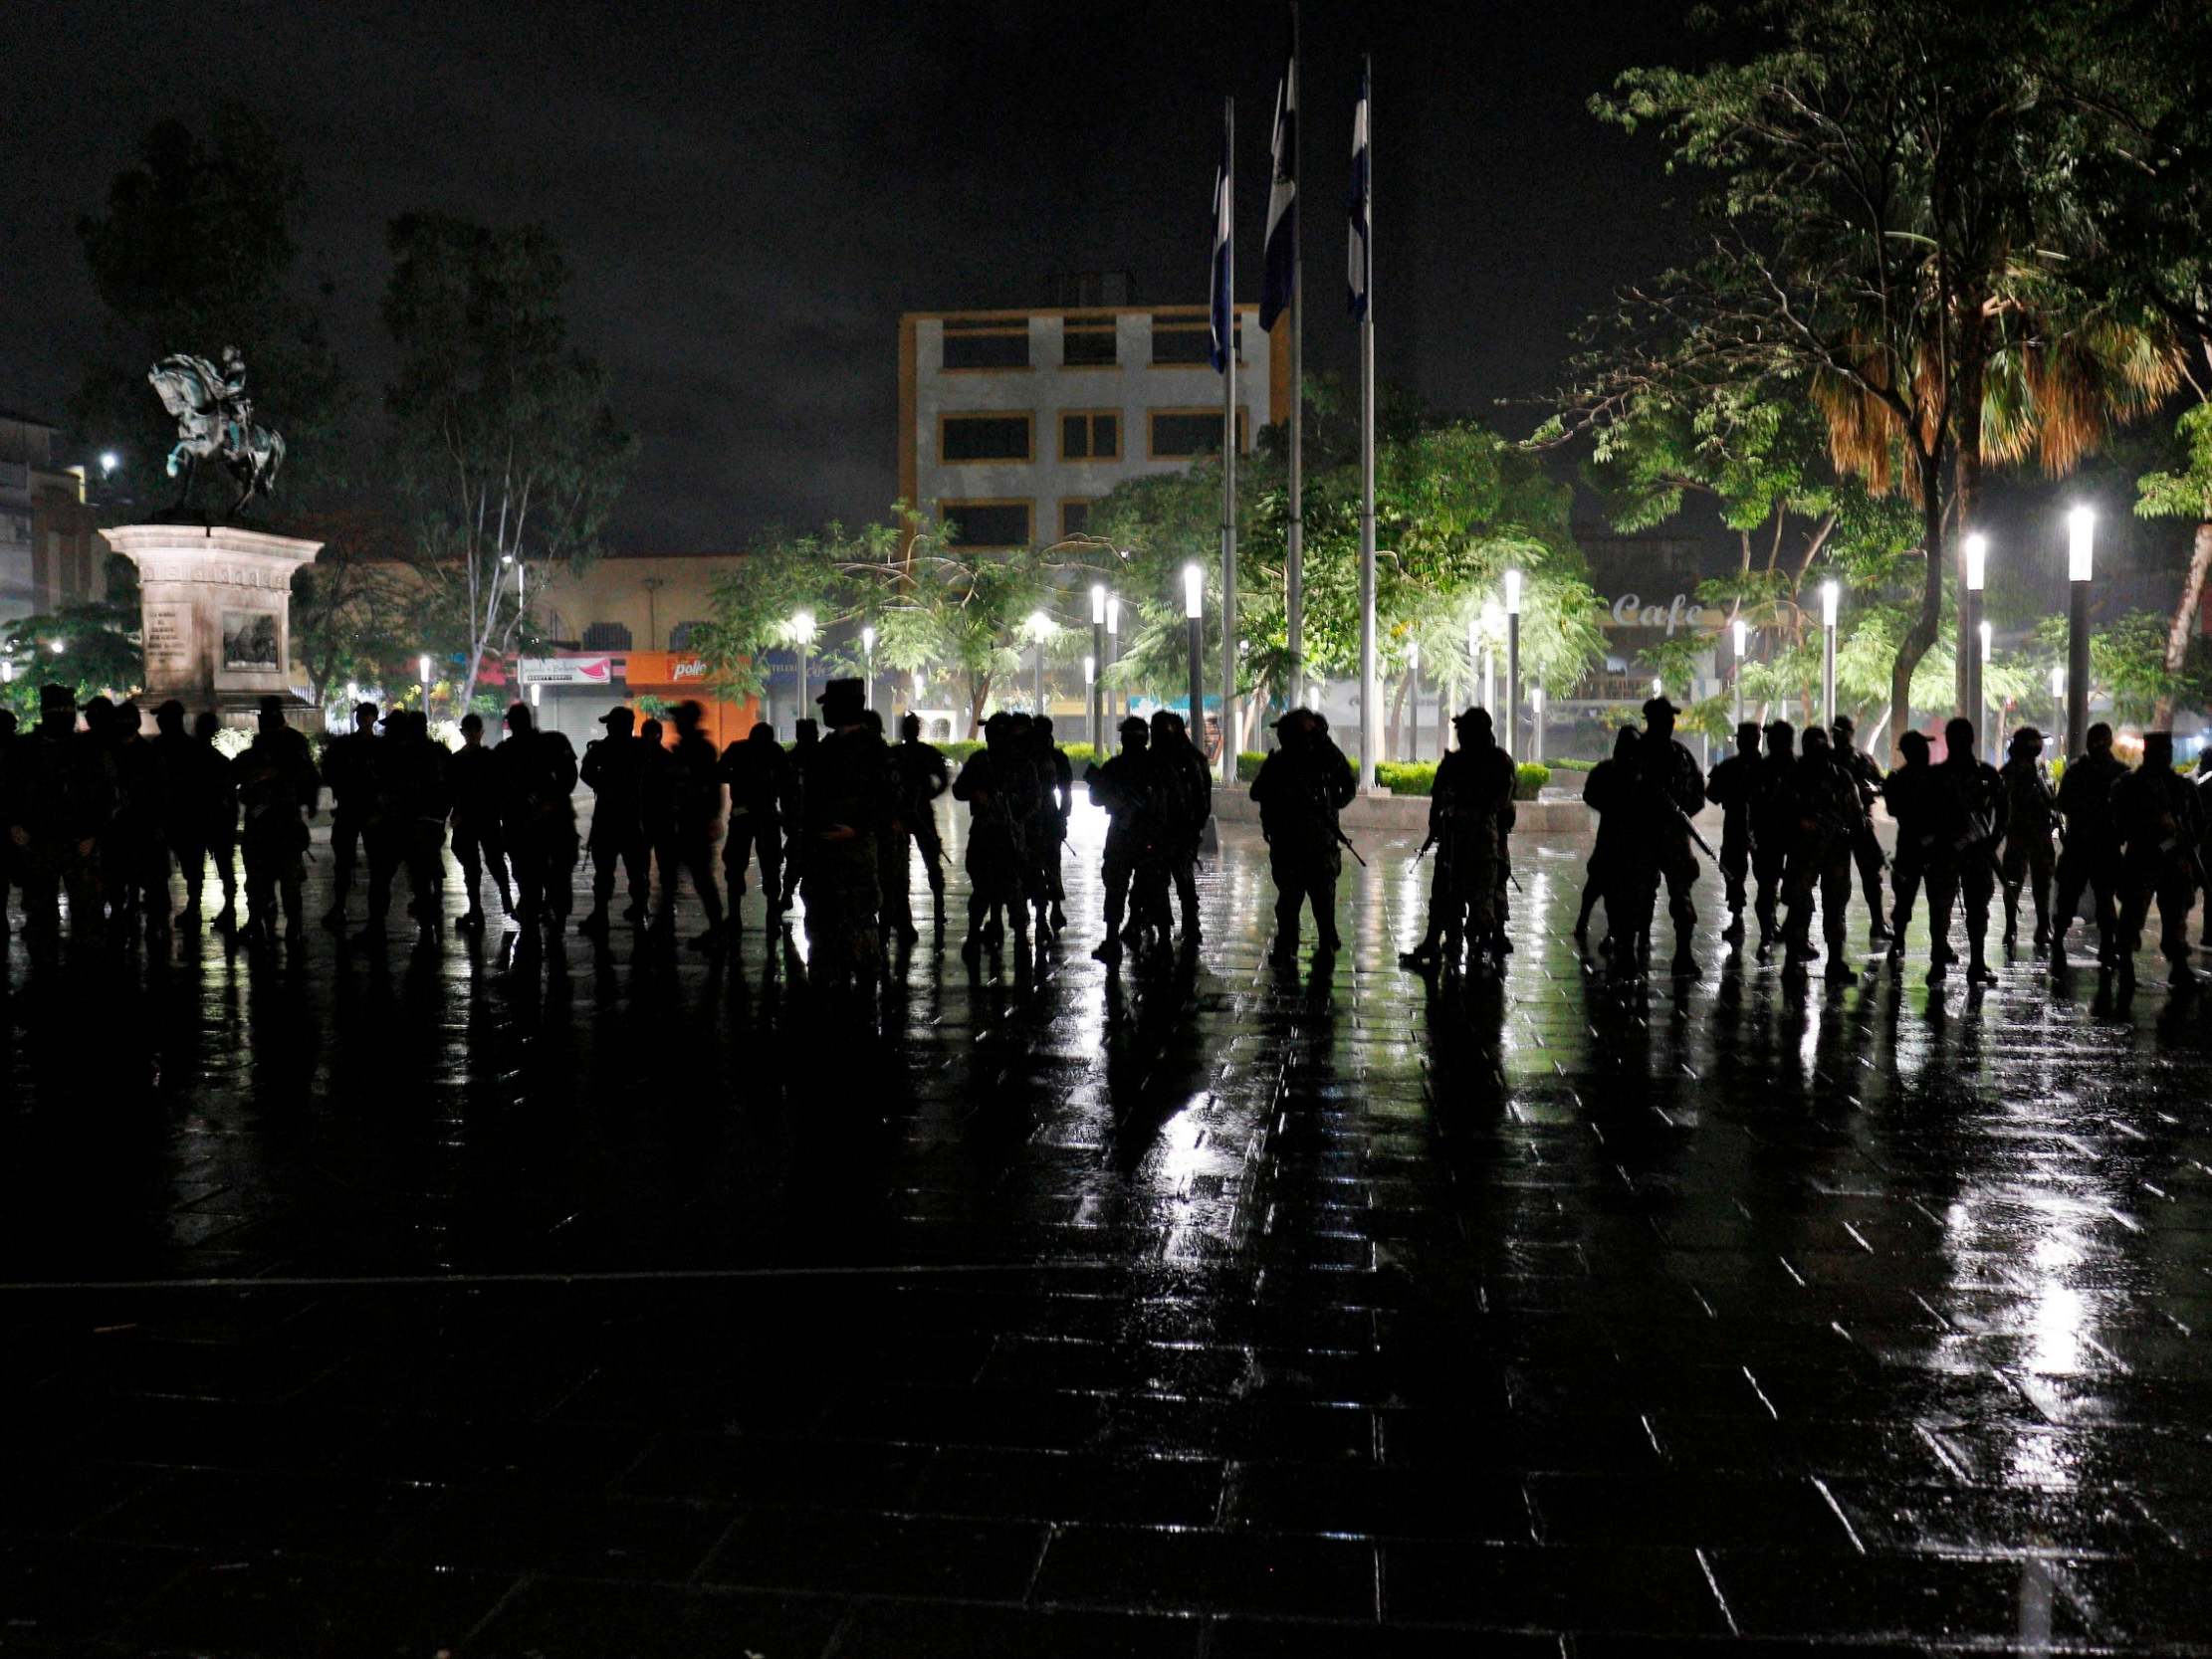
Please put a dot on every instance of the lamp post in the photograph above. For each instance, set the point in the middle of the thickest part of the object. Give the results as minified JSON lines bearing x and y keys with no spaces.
{"x":2058,"y":708}
{"x":1740,"y":637}
{"x":422,"y":669}
{"x":2080,"y":555}
{"x":1976,"y":550}
{"x":1095,"y":692}
{"x":802,"y":635}
{"x":1409,"y":735}
{"x":1113,"y":639}
{"x":1194,"y":615}
{"x":1039,"y":626}
{"x":1982,"y":722}
{"x":1512,"y":664}
{"x":868,"y":659}
{"x":1536,"y":723}
{"x":1832,"y":594}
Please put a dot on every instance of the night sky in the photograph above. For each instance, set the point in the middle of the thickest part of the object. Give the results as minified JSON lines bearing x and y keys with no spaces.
{"x":750,"y":195}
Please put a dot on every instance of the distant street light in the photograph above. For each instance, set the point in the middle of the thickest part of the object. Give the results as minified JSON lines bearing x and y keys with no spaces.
{"x":1831,"y":595}
{"x":1194,"y":615}
{"x":422,"y":667}
{"x":1976,"y":547}
{"x":109,"y":462}
{"x":1512,"y":664}
{"x":1113,"y":640}
{"x":802,"y":635}
{"x":1096,"y":693}
{"x":868,"y":653}
{"x":2080,"y":555}
{"x":56,"y":647}
{"x":1040,"y":626}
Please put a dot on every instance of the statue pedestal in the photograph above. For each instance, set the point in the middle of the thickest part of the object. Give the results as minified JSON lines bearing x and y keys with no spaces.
{"x":216,"y":604}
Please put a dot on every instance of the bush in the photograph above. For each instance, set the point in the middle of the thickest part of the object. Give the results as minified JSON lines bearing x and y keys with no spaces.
{"x":1529,"y":777}
{"x":1408,"y":777}
{"x":958,"y":750}
{"x":1570,"y":766}
{"x":1247,"y":766}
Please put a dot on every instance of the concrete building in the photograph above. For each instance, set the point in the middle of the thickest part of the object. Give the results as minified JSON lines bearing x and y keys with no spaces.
{"x":49,"y":553}
{"x":1012,"y":423}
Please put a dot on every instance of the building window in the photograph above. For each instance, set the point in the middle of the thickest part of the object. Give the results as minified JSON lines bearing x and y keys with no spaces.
{"x":995,"y":345}
{"x":987,"y":524}
{"x":1089,"y":343}
{"x":1091,"y":435}
{"x":681,"y":635}
{"x":1183,"y":434}
{"x":1075,"y":517}
{"x":983,"y":437}
{"x":606,"y":636}
{"x":1185,"y":339}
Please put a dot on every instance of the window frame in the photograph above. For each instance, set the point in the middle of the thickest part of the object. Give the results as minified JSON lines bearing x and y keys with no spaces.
{"x":1027,"y":417}
{"x":1152,"y":432}
{"x":1091,"y":322}
{"x":947,"y":511}
{"x":1084,"y":502}
{"x":1089,"y":418}
{"x":949,"y":328}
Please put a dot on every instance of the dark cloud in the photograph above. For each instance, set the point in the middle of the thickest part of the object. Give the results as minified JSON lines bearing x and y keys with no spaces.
{"x":750,"y":195}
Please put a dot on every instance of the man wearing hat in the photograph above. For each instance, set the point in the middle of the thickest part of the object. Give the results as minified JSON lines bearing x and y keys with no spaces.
{"x":477,"y":841}
{"x":1193,"y":796}
{"x":406,"y":825}
{"x":1127,"y":787}
{"x":1667,"y":789}
{"x":694,"y":776}
{"x":612,"y":770}
{"x":851,"y":799}
{"x":1300,"y":789}
{"x":1000,"y":785}
{"x":1824,"y":804}
{"x":345,"y":774}
{"x":1866,"y":847}
{"x":2031,"y":815}
{"x":1969,"y":822}
{"x":1471,"y":813}
{"x":277,"y":788}
{"x":61,"y":793}
{"x":200,"y":807}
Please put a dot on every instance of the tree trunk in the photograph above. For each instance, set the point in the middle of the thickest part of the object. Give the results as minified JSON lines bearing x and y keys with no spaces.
{"x":1921,"y":637}
{"x":1973,"y":357}
{"x":978,"y":694}
{"x":2184,"y":622}
{"x":1398,"y":717}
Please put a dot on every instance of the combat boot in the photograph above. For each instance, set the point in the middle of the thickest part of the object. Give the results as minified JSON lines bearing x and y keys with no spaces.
{"x":593,"y":923}
{"x":1733,"y":932}
{"x":1978,"y":971}
{"x":1421,"y":958}
{"x":2181,"y":975}
{"x":1878,"y":930}
{"x":335,"y":919}
{"x":226,"y":919}
{"x":1839,"y":972}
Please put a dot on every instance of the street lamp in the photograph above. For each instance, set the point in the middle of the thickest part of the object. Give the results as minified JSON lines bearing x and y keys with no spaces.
{"x":1536,"y":722}
{"x":1410,"y":736}
{"x":1981,"y":699}
{"x":2080,"y":555}
{"x":422,"y":667}
{"x":1832,"y":594}
{"x":1039,"y":626}
{"x":1193,"y":613}
{"x":1096,"y":691}
{"x":2058,"y":708}
{"x":868,"y":658}
{"x":1740,"y":631}
{"x":1976,"y":547}
{"x":109,"y":462}
{"x":802,"y":635}
{"x":1113,"y":640}
{"x":1512,"y":663}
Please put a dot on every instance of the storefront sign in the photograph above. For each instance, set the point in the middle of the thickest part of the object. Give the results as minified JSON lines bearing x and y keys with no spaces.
{"x":567,"y":670}
{"x":1629,"y":611}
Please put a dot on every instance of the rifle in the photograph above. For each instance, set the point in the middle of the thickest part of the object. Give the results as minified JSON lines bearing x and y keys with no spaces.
{"x":1348,"y":847}
{"x":1689,"y":829}
{"x":1424,"y":846}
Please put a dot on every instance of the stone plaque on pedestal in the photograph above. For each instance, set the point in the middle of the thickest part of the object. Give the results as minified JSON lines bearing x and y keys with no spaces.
{"x":216,"y":602}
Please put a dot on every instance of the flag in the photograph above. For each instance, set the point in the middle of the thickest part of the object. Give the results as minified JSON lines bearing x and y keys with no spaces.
{"x":1223,"y":234}
{"x":1362,"y":266}
{"x":1280,"y":259}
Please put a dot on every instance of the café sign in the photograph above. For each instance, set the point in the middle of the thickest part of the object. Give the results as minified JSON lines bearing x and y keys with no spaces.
{"x":1629,"y":611}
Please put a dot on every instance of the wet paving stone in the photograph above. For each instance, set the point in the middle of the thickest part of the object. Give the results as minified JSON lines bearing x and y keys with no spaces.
{"x":629,"y":1305}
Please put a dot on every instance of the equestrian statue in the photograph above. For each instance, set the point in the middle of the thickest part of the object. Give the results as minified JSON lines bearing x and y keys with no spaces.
{"x":214,"y":417}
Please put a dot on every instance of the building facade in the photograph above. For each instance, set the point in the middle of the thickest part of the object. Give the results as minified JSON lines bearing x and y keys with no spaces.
{"x":50,"y":553}
{"x":1013,"y":423}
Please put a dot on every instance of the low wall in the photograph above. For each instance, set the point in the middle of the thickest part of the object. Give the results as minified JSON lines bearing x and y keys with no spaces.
{"x":1408,"y":814}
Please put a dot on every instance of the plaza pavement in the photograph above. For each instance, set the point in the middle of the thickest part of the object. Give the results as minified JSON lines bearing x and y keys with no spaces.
{"x":421,"y":1306}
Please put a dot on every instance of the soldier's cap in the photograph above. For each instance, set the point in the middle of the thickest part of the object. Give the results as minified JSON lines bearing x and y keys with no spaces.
{"x":171,"y":706}
{"x":1842,"y":723}
{"x":1472,"y":717}
{"x":622,"y":716}
{"x":844,"y":693}
{"x":1658,"y":706}
{"x":1134,"y":722}
{"x":2025,"y":735}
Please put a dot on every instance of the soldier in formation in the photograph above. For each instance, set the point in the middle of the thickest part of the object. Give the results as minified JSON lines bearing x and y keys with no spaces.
{"x":1187,"y":796}
{"x":2160,"y":828}
{"x":405,"y":824}
{"x":477,"y":842}
{"x":199,"y":811}
{"x":1666,"y":790}
{"x":1906,"y":792}
{"x":761,"y":794}
{"x":278,"y":791}
{"x":1733,"y":786}
{"x":2031,"y":818}
{"x":345,"y":762}
{"x":922,"y":774}
{"x":999,"y":783}
{"x":1614,"y":873}
{"x":850,"y":801}
{"x":1866,"y":850}
{"x":1301,"y":789}
{"x":1772,"y":828}
{"x":1129,"y":788}
{"x":2088,"y":862}
{"x":613,"y":769}
{"x":535,"y":773}
{"x":1821,"y":815}
{"x":1055,"y":798}
{"x":1967,"y":825}
{"x":696,"y":774}
{"x":1471,"y":813}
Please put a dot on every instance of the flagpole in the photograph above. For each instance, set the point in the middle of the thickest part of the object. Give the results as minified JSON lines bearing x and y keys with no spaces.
{"x":1229,"y":462}
{"x":1295,"y":549}
{"x":1371,"y":701}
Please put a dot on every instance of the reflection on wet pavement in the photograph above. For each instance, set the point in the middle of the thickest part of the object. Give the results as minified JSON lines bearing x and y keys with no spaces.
{"x":636,"y":1305}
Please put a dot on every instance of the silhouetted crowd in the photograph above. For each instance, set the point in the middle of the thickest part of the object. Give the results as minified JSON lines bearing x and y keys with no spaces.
{"x":102,"y":815}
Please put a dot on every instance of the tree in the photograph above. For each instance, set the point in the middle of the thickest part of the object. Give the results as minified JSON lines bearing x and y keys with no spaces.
{"x":91,"y":646}
{"x":2183,"y":491}
{"x":507,"y":447}
{"x":1895,"y":202}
